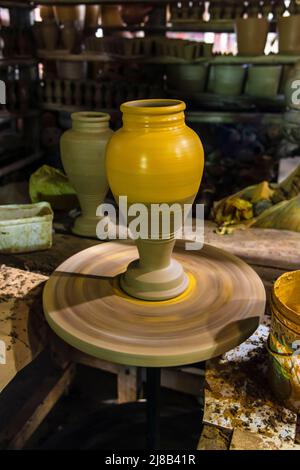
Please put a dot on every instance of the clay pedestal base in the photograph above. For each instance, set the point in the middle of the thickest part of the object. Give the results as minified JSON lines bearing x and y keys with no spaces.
{"x":86,"y":226}
{"x":155,"y":275}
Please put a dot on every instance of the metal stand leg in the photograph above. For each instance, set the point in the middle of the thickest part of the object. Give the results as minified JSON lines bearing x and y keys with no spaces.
{"x":153,"y":407}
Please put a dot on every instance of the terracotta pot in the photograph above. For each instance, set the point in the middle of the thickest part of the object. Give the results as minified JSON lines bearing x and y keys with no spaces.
{"x":69,"y":14}
{"x":291,"y":89}
{"x":187,"y":78}
{"x":68,"y":36}
{"x":227,"y":79}
{"x":134,"y":14}
{"x":251,"y":35}
{"x":92,"y":13}
{"x":82,"y":153}
{"x":289,"y":34}
{"x":46,"y":13}
{"x":50,"y":32}
{"x":110,"y":15}
{"x":141,"y":164}
{"x":263,"y":80}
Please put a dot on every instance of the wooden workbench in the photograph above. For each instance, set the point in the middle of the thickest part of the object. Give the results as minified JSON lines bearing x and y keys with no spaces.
{"x":270,"y":253}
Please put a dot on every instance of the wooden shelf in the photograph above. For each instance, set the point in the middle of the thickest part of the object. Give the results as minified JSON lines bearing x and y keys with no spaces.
{"x":104,"y":58}
{"x":19,"y":164}
{"x":5,"y":62}
{"x":95,"y":2}
{"x":210,"y":117}
{"x":73,"y":109}
{"x":15,"y":4}
{"x":9,"y":115}
{"x":271,"y":59}
{"x":223,"y":117}
{"x":83,"y":57}
{"x":193,"y":27}
{"x":259,"y":60}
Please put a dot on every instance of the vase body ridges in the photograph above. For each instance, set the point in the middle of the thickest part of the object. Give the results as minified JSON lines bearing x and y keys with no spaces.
{"x":83,"y":156}
{"x":154,"y":159}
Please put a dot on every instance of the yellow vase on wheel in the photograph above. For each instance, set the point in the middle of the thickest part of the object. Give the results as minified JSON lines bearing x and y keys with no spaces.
{"x":155,"y":158}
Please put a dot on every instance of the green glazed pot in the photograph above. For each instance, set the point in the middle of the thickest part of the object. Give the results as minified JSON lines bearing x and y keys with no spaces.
{"x":287,"y":70}
{"x":190,"y":78}
{"x":291,"y":89}
{"x":263,"y":80}
{"x":83,"y":153}
{"x":227,"y":79}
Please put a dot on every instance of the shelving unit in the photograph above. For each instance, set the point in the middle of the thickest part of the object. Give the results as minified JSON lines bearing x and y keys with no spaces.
{"x":272,"y":59}
{"x":228,"y":117}
{"x":199,"y":112}
{"x":21,"y":117}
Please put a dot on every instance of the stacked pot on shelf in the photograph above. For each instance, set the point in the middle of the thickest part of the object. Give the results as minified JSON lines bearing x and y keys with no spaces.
{"x":60,"y":26}
{"x":231,"y":79}
{"x":61,"y":29}
{"x":149,"y":47}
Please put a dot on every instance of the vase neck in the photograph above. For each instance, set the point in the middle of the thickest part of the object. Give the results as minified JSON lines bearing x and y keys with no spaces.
{"x":90,"y":121}
{"x":153,"y":114}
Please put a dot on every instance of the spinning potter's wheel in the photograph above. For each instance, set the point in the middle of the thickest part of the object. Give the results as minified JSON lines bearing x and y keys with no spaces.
{"x":221,"y":307}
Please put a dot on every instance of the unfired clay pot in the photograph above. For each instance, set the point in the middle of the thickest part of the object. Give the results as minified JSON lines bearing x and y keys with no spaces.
{"x":68,"y":36}
{"x":46,"y":12}
{"x":134,"y":14}
{"x":70,"y":14}
{"x":251,"y":35}
{"x":92,"y":13}
{"x":50,"y":33}
{"x":289,"y":34}
{"x":155,"y":158}
{"x":110,"y":15}
{"x":82,"y":153}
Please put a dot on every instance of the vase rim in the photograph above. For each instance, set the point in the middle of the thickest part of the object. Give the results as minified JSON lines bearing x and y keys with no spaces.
{"x":90,"y":116}
{"x":153,"y":106}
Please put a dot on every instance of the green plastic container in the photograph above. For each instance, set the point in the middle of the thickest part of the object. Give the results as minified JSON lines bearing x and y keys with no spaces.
{"x":25,"y":227}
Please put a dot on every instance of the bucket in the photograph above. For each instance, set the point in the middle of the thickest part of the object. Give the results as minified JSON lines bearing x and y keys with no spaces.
{"x":284,"y":340}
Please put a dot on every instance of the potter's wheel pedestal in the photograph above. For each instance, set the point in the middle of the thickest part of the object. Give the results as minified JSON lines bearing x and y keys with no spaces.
{"x":221,"y":307}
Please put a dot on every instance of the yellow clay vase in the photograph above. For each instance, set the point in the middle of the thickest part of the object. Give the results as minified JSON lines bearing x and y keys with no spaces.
{"x":83,"y":158}
{"x":153,"y":159}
